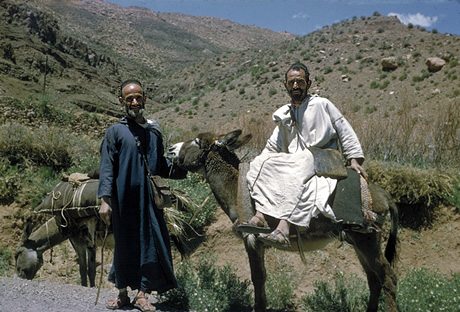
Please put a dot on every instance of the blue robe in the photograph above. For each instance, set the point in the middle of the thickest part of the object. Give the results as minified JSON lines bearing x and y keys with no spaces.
{"x":142,"y":255}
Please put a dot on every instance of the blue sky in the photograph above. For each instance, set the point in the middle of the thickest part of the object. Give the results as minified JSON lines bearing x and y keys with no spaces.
{"x":301,"y":17}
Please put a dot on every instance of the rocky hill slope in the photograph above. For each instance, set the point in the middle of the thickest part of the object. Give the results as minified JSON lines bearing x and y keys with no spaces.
{"x":61,"y":63}
{"x":204,"y":73}
{"x":75,"y":53}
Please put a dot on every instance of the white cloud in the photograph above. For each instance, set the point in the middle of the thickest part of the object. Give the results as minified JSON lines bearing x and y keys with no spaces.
{"x":300,"y":15}
{"x":417,"y":19}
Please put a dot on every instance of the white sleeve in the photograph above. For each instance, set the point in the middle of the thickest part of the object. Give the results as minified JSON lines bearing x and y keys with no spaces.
{"x":351,"y":147}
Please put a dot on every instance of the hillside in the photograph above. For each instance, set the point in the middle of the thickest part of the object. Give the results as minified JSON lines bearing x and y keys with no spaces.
{"x":61,"y":63}
{"x":345,"y":65}
{"x":224,"y":74}
{"x":76,"y":52}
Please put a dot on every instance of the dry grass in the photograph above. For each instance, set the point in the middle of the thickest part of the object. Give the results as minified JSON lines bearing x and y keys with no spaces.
{"x":426,"y":141}
{"x":429,"y":140}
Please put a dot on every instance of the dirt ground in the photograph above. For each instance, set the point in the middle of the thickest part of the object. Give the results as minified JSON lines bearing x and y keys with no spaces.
{"x":436,"y":248}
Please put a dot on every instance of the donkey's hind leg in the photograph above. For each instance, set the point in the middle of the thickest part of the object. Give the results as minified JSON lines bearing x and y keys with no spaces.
{"x":380,"y":274}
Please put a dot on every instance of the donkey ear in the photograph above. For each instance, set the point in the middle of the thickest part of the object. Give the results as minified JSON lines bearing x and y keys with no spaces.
{"x":235,"y":140}
{"x":241,"y":141}
{"x":230,"y":138}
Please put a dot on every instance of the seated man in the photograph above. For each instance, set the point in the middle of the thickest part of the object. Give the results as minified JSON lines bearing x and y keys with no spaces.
{"x":282,"y":180}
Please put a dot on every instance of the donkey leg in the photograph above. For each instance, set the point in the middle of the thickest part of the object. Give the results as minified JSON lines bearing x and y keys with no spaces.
{"x":91,"y":253}
{"x":80,"y":248}
{"x":90,"y":238}
{"x":378,"y":270}
{"x":256,"y":253}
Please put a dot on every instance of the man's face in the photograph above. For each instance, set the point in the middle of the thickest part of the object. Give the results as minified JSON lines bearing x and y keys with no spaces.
{"x":297,"y":85}
{"x":133,"y":99}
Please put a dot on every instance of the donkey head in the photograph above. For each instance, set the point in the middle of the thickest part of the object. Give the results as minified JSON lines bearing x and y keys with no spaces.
{"x":28,"y":262}
{"x":28,"y":259}
{"x":192,"y":155}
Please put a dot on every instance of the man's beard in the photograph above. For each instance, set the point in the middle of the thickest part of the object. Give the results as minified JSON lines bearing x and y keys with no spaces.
{"x":135,"y":113}
{"x":298,"y":96}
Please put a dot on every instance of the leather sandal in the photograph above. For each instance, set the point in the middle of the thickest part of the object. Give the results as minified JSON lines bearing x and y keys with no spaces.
{"x":117,"y":303}
{"x":256,"y":225}
{"x":275,"y":239}
{"x":142,"y":303}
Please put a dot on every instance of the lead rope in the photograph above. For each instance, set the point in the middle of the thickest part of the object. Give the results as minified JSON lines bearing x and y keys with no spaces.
{"x":102,"y":264}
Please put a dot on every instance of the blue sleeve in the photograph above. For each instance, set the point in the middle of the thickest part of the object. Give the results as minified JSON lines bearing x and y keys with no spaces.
{"x":165,"y":168}
{"x":109,"y":156}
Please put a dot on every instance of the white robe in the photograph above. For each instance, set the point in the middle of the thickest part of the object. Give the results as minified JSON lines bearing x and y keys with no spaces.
{"x":281,"y":179}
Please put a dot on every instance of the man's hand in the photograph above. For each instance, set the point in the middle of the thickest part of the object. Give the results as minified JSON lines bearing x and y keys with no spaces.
{"x":105,"y":210}
{"x":354,"y":164}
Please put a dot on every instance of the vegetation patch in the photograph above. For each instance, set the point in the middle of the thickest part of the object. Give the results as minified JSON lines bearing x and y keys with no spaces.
{"x":347,"y":295}
{"x":206,"y":287}
{"x":419,"y":290}
{"x":5,"y":258}
{"x":424,"y":290}
{"x":416,"y":191}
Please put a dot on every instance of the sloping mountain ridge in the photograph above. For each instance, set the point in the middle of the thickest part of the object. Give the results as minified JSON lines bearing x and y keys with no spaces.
{"x":225,"y":89}
{"x":157,"y":38}
{"x":345,"y":64}
{"x":225,"y":86}
{"x":83,"y":49}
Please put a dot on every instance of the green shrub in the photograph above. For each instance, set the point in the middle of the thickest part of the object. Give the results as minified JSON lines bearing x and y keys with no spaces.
{"x":9,"y":181}
{"x":272,"y":92}
{"x":425,"y":74}
{"x":257,"y":71}
{"x":280,"y":286}
{"x":370,"y":109}
{"x":327,"y":70}
{"x":384,"y":84}
{"x":5,"y":258}
{"x":319,"y":78}
{"x":453,"y":62}
{"x":50,"y":112}
{"x":455,"y":198}
{"x":355,"y":108}
{"x":374,"y":85}
{"x":422,"y":290}
{"x":206,"y":287}
{"x":347,"y":295}
{"x":36,"y":182}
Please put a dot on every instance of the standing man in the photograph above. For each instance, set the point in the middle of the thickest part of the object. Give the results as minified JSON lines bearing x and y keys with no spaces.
{"x":293,"y":193}
{"x":142,"y":254}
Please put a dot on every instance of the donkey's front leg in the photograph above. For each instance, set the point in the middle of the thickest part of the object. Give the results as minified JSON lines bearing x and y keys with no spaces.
{"x":256,"y":253}
{"x":80,"y":248}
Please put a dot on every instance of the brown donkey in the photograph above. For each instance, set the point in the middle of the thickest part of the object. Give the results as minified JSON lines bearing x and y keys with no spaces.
{"x":214,"y":157}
